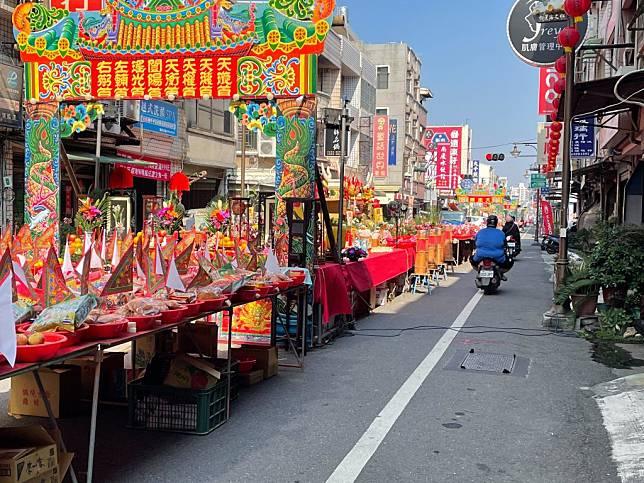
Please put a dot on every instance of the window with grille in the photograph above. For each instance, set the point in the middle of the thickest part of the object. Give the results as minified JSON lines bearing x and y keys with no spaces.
{"x":382,"y":77}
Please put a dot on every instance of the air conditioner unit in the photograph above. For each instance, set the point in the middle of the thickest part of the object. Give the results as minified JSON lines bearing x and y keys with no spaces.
{"x":130,"y":109}
{"x":267,"y":146}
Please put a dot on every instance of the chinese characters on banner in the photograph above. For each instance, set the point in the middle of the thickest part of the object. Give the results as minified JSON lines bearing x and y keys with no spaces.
{"x":163,"y":78}
{"x":380,"y":146}
{"x":476,"y":170}
{"x":393,"y":141}
{"x":548,"y":77}
{"x":159,"y":171}
{"x":159,"y":116}
{"x":448,"y":148}
{"x":582,"y":143}
{"x":547,"y":218}
{"x":332,"y":144}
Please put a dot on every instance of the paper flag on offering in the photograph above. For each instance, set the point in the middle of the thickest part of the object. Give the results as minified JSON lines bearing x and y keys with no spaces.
{"x":21,"y":277}
{"x":174,"y":279}
{"x":153,"y":281}
{"x":206,"y":252}
{"x":22,"y":243}
{"x":53,"y":284}
{"x":159,"y":262}
{"x":188,"y":239}
{"x":115,"y":252}
{"x":129,"y":238}
{"x":87,"y":241}
{"x":96,"y":261}
{"x":85,"y":267}
{"x":183,"y":259}
{"x":109,"y":249}
{"x":203,"y":278}
{"x":103,"y":246}
{"x":6,"y":269}
{"x":46,"y":239}
{"x":168,"y":250}
{"x":68,"y":266}
{"x":121,"y":279}
{"x":272,"y":264}
{"x":252,"y":264}
{"x":6,"y":239}
{"x":8,"y":342}
{"x":139,"y":270}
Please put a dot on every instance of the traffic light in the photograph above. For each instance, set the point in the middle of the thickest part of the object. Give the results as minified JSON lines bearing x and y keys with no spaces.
{"x":495,"y":157}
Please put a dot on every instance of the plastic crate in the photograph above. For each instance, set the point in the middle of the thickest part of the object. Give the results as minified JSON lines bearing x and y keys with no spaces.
{"x":164,"y":408}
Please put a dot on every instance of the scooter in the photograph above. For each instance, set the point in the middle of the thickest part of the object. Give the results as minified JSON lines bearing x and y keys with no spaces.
{"x":512,"y":248}
{"x":550,"y":244}
{"x":488,"y":277}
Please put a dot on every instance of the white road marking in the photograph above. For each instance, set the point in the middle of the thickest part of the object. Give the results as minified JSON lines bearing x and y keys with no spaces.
{"x":623,"y":415}
{"x":355,"y":461}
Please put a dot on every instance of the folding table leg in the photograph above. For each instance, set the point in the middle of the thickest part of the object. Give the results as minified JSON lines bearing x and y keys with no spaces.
{"x":92,"y":427}
{"x":52,"y":419}
{"x":229,"y":356}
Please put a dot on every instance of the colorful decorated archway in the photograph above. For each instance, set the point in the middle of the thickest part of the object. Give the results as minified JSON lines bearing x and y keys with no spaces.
{"x":167,"y":49}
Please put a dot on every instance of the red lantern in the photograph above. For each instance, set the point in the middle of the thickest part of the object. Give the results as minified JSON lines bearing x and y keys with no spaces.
{"x":179,"y":182}
{"x":577,"y":9}
{"x":556,"y":126}
{"x":560,"y":86}
{"x":555,"y":135}
{"x":560,"y":65}
{"x":555,"y":103}
{"x":120,"y":179}
{"x":568,"y":38}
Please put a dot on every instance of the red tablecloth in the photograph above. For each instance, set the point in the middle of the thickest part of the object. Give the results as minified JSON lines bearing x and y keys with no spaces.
{"x":333,"y":282}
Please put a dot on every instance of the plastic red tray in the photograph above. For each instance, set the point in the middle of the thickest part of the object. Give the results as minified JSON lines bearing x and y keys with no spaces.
{"x":41,"y":352}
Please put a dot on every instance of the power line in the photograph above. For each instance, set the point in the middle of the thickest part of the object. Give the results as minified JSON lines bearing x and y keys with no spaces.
{"x":504,"y":144}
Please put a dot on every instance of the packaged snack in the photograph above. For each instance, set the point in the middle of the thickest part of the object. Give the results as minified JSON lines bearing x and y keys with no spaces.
{"x":67,"y":315}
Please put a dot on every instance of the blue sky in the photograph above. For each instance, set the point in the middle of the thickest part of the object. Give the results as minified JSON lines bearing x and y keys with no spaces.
{"x":467,"y":63}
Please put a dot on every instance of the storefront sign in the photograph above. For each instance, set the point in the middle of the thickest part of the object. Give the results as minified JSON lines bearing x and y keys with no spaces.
{"x":393,"y":141}
{"x":582,"y":142}
{"x":159,"y":116}
{"x":332,"y":145}
{"x":548,"y":77}
{"x":476,"y":170}
{"x":160,"y":171}
{"x":543,"y":144}
{"x":535,"y":43}
{"x":10,"y":96}
{"x":448,"y":144}
{"x":538,"y":181}
{"x":380,"y":146}
{"x":547,"y":218}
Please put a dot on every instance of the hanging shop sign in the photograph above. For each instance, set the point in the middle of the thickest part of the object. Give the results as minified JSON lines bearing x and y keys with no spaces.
{"x":447,"y":143}
{"x":159,"y":50}
{"x":393,"y":142}
{"x":380,"y":146}
{"x":476,"y":170}
{"x":535,"y":41}
{"x":159,"y":116}
{"x":582,"y":142}
{"x":332,"y":144}
{"x":538,"y":181}
{"x":10,"y":96}
{"x":548,"y":77}
{"x":160,"y":169}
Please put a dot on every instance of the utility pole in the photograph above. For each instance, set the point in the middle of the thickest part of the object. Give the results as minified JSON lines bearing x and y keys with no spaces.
{"x":345,"y":120}
{"x":536,"y":223}
{"x":242,"y":171}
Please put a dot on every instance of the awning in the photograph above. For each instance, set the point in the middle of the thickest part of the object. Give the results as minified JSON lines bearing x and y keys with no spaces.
{"x":108,"y":159}
{"x":598,"y":96}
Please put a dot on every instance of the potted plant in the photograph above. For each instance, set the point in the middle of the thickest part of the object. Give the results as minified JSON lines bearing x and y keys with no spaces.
{"x":581,"y":289}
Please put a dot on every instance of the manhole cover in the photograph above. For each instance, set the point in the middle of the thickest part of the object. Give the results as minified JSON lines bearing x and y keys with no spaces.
{"x":488,"y":362}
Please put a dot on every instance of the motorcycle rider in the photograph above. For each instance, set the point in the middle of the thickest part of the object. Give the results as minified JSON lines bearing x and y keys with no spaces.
{"x":490,"y":243}
{"x":512,"y":229}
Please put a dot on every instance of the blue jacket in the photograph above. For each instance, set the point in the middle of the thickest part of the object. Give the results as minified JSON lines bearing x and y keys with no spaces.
{"x":490,"y":243}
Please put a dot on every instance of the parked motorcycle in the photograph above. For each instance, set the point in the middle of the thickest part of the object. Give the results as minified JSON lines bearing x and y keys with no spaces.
{"x":488,"y":277}
{"x":550,"y":244}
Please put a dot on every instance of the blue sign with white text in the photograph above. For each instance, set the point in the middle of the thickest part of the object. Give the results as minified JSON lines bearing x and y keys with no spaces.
{"x":476,"y":170}
{"x":159,"y":116}
{"x":393,"y":141}
{"x":582,"y":141}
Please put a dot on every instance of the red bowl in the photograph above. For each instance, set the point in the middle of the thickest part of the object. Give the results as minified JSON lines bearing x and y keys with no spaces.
{"x":212,"y":305}
{"x":74,"y":338}
{"x":173,"y":316}
{"x":246,"y":365}
{"x":143,"y":322}
{"x":262,"y":290}
{"x":193,"y":309}
{"x":297,"y":277}
{"x":245,"y":296}
{"x":283,"y":284}
{"x":110,"y":330}
{"x":41,"y":352}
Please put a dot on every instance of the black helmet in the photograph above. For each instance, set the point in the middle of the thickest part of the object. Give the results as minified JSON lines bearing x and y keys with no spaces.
{"x":492,"y":221}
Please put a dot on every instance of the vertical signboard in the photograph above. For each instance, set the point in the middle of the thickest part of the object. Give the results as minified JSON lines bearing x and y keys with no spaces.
{"x":582,"y":142}
{"x":332,"y":144}
{"x":476,"y":170}
{"x":447,"y":142}
{"x":380,"y":146}
{"x":393,"y":141}
{"x":10,"y":96}
{"x":547,"y":217}
{"x":548,"y":77}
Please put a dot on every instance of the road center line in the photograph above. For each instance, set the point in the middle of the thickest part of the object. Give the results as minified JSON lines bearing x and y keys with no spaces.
{"x":355,"y":461}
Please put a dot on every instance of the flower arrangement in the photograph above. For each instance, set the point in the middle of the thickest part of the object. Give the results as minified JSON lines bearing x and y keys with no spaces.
{"x":352,"y":188}
{"x":218,"y":220}
{"x":90,"y":214}
{"x":353,"y":254}
{"x":169,"y":217}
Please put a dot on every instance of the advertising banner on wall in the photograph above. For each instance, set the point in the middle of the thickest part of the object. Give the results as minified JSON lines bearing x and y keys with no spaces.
{"x":548,"y":77}
{"x":447,"y":143}
{"x":582,"y":141}
{"x":548,"y":223}
{"x":380,"y":146}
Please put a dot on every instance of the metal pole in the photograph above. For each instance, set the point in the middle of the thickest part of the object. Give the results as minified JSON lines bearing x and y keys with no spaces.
{"x":242,"y":181}
{"x":536,"y":225}
{"x":92,"y":427}
{"x":97,"y":166}
{"x":343,"y":148}
{"x":562,"y":260}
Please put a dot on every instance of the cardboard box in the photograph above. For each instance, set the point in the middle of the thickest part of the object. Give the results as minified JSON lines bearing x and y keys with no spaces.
{"x":61,"y":385}
{"x":251,"y":378}
{"x":113,"y":382}
{"x":198,"y":338}
{"x":27,"y":454}
{"x":266,"y":358}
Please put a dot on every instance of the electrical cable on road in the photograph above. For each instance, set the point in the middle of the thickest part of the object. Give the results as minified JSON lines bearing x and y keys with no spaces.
{"x":489,"y":330}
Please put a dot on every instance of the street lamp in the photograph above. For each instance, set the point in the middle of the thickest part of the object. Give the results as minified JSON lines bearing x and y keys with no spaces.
{"x":516,"y":153}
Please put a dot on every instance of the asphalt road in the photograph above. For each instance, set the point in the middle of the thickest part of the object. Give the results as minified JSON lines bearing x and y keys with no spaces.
{"x":459,"y":426}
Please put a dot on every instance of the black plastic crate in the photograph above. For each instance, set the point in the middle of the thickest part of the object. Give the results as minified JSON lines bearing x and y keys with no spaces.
{"x":164,"y":408}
